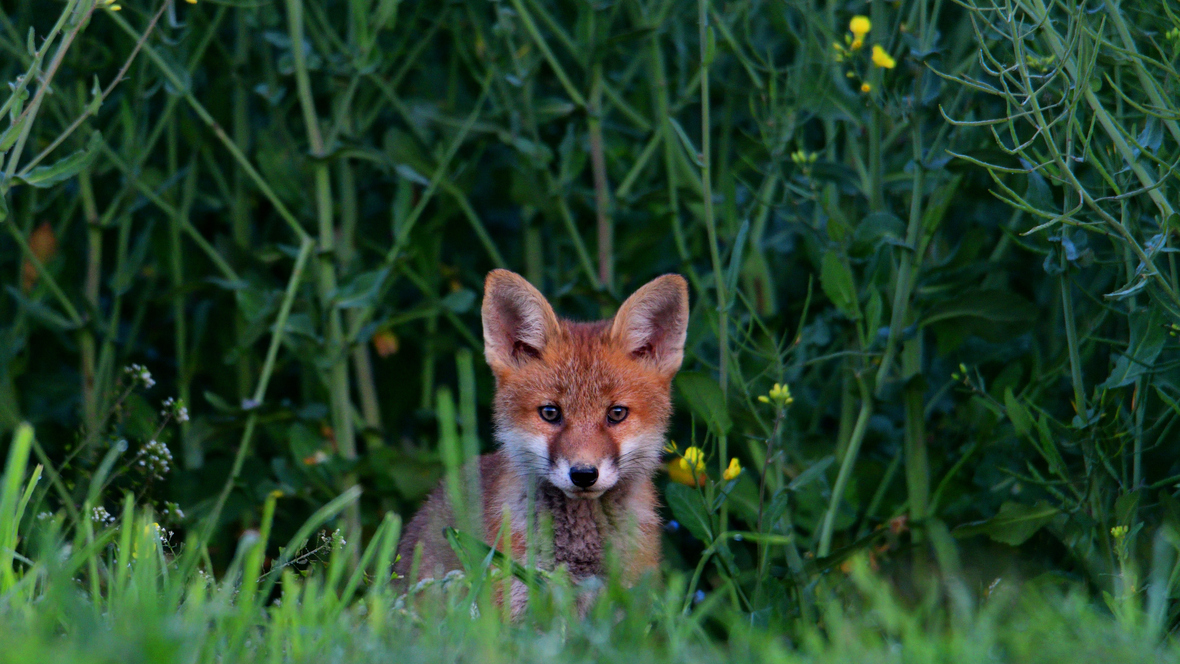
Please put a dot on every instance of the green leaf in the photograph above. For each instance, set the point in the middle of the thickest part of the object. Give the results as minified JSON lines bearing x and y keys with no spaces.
{"x":689,"y":509}
{"x":1147,"y":341}
{"x":66,"y":168}
{"x":458,"y":302}
{"x":994,"y":305}
{"x":1048,"y":447}
{"x":877,"y":228}
{"x":873,"y":313}
{"x":693,"y":153}
{"x":1014,"y":525}
{"x":813,"y":472}
{"x":385,"y":15}
{"x":836,"y":279}
{"x":704,"y":397}
{"x":133,"y":264}
{"x":220,"y":404}
{"x":8,"y":138}
{"x":1017,"y":413}
{"x":42,"y":313}
{"x":362,"y":290}
{"x":735,"y":258}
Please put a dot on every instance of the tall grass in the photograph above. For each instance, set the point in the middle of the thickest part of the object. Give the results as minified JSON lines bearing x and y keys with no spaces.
{"x":945,"y":227}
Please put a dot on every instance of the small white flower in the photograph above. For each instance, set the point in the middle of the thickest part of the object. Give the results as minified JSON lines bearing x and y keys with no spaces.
{"x":173,"y":510}
{"x":175,"y":408}
{"x":156,"y":459}
{"x":101,"y":517}
{"x":334,"y":541}
{"x":140,"y":373}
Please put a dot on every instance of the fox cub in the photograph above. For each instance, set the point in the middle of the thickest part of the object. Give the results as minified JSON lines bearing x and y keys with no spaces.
{"x":580,"y":415}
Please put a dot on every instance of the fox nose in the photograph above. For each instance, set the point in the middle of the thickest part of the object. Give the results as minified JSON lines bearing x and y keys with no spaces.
{"x":584,"y":476}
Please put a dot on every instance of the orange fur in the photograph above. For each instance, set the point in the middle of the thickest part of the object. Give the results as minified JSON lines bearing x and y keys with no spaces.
{"x":586,"y":372}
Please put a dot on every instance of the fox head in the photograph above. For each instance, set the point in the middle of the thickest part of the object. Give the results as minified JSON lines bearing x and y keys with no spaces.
{"x":583,"y":406}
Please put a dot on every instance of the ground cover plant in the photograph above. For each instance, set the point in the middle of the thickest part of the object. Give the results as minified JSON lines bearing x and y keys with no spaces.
{"x":930,"y":386}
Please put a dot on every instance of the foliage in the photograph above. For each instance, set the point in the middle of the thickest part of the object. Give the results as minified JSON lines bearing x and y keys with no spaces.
{"x":934,"y":307}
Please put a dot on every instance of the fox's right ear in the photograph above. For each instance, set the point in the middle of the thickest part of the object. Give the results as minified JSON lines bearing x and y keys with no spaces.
{"x":653,"y":323}
{"x":517,"y":320}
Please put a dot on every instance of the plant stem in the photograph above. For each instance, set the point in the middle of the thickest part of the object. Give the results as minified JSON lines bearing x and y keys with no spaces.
{"x":337,"y":374}
{"x":705,"y":35}
{"x":193,"y":454}
{"x":846,"y":464}
{"x":361,"y":359}
{"x":240,"y":209}
{"x":917,"y":469}
{"x":268,"y":366}
{"x":905,"y":271}
{"x":90,"y":393}
{"x":606,"y":261}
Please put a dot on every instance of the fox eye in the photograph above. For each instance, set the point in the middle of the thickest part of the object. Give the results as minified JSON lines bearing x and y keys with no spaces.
{"x":616,"y":414}
{"x":550,"y":413}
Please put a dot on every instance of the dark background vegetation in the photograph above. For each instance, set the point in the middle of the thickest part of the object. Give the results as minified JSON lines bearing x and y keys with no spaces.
{"x":339,"y":176}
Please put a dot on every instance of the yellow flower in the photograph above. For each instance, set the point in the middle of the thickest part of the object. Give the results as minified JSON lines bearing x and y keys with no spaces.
{"x":690,"y":469}
{"x":733,"y":471}
{"x":780,"y":395}
{"x":882,"y":59}
{"x":670,"y":447}
{"x":693,"y":458}
{"x":154,"y":530}
{"x":1119,"y":532}
{"x":859,"y":26}
{"x":191,"y":2}
{"x":865,"y":87}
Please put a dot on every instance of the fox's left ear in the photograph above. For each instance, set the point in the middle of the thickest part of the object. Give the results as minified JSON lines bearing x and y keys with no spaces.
{"x":653,"y":322}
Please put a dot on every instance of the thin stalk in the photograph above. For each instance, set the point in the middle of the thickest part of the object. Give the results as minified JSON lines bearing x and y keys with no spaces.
{"x":402,"y":232}
{"x":203,"y":114}
{"x":1039,"y":13}
{"x":1071,"y":332}
{"x":268,"y":366}
{"x":706,"y":52}
{"x":29,"y":115}
{"x":194,"y":455}
{"x":94,"y":105}
{"x":659,"y":92}
{"x":1146,"y":80}
{"x":606,"y":261}
{"x":846,"y":464}
{"x":531,"y":28}
{"x":362,"y":361}
{"x":132,"y":173}
{"x":876,"y":118}
{"x":35,"y":65}
{"x":44,"y":276}
{"x":905,"y":271}
{"x":90,"y":393}
{"x":917,"y":467}
{"x":239,"y":209}
{"x":337,"y":378}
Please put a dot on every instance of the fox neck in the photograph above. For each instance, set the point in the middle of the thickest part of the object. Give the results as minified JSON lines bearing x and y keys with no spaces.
{"x":578,"y":526}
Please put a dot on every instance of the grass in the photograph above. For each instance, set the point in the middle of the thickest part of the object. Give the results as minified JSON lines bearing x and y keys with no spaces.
{"x":157,"y":603}
{"x":243,"y":246}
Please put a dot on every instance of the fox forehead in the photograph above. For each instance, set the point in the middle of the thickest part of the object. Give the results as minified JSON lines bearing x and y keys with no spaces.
{"x":582,"y":371}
